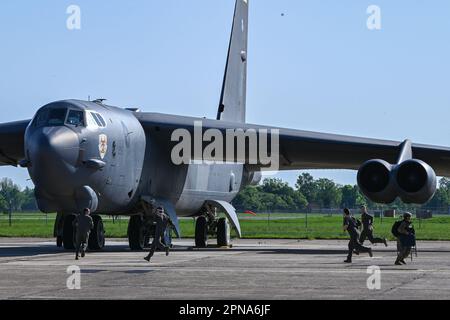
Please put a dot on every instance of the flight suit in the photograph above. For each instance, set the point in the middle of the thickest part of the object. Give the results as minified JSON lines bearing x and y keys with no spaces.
{"x":162,"y":222}
{"x":83,"y":224}
{"x":367,"y":231}
{"x":404,"y":246}
{"x":354,"y":244}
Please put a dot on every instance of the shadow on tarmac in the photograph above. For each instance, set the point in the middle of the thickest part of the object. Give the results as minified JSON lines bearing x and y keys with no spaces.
{"x":30,"y":251}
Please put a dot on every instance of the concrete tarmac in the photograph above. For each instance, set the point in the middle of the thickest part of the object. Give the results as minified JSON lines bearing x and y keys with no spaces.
{"x":252,"y":269}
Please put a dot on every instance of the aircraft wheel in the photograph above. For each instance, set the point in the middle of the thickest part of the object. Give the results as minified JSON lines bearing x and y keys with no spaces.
{"x":201,"y":232}
{"x":136,"y":234}
{"x":69,"y":232}
{"x":59,"y":241}
{"x":97,"y":237}
{"x":223,"y":233}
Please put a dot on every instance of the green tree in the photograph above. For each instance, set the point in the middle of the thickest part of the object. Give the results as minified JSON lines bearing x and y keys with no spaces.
{"x":352,"y":197}
{"x":441,"y":199}
{"x":3,"y":205}
{"x":11,"y":194}
{"x":328,"y":193}
{"x":248,"y":199}
{"x":307,"y":186}
{"x":286,"y":198}
{"x":444,"y":183}
{"x":300,"y":200}
{"x":29,"y":200}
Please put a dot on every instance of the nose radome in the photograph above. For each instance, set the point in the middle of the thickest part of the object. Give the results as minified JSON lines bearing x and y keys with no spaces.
{"x":53,"y":153}
{"x":58,"y":144}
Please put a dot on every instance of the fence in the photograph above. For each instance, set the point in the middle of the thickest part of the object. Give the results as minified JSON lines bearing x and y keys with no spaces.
{"x":326,"y":224}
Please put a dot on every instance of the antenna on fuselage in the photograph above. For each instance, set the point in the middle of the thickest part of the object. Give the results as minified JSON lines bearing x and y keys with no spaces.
{"x":99,"y":101}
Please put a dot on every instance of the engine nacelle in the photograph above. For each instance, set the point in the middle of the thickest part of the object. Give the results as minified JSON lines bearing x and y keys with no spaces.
{"x":375,"y":181}
{"x":415,"y":181}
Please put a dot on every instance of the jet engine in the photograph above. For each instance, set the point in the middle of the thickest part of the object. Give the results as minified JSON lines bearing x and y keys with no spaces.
{"x":414,"y":181}
{"x":375,"y":181}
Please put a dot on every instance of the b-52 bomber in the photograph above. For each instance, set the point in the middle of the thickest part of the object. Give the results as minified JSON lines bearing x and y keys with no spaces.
{"x":118,"y":161}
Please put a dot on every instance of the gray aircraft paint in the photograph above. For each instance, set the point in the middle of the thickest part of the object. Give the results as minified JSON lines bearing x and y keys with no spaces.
{"x":205,"y":182}
{"x":73,"y":167}
{"x":114,"y":183}
{"x":232,"y":106}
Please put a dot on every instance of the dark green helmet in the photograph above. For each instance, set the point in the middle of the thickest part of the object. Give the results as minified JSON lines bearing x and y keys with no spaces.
{"x":407,"y":215}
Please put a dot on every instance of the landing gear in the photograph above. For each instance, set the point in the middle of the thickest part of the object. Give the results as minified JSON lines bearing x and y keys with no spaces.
{"x":201,"y":232}
{"x":68,"y":237}
{"x":210,"y":225}
{"x":59,"y":241}
{"x":223,"y":233}
{"x":97,"y":237}
{"x":136,"y":233}
{"x":58,"y":229}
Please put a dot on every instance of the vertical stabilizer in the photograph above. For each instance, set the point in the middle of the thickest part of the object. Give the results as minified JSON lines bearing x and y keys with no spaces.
{"x":234,"y":89}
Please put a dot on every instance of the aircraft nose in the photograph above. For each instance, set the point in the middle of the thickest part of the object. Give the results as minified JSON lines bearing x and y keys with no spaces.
{"x":53,"y":153}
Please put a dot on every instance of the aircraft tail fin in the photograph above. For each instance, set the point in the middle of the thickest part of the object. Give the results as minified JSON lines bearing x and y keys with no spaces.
{"x":234,"y":90}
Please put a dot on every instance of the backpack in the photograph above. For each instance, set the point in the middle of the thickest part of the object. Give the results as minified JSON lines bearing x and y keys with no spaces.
{"x":395,"y":227}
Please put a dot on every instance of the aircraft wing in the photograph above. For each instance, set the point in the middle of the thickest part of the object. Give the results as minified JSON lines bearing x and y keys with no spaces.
{"x":12,"y":142}
{"x":312,"y":150}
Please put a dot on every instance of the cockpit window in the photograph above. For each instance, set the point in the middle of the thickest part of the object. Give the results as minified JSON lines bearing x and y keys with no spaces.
{"x":76,"y":118}
{"x":50,"y":118}
{"x":99,"y":119}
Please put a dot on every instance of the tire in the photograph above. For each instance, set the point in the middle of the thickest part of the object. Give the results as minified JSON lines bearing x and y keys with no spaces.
{"x":201,"y":232}
{"x":68,"y":237}
{"x":136,"y":235}
{"x":97,"y":236}
{"x":223,"y":233}
{"x":59,"y":241}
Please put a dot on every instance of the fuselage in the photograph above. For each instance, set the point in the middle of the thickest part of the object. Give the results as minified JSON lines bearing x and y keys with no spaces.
{"x":86,"y":154}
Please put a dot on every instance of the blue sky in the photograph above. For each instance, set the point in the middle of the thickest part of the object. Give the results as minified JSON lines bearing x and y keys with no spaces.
{"x":316,"y":68}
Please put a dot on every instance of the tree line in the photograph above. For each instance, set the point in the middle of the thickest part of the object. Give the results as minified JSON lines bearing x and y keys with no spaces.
{"x":270,"y":196}
{"x":13,"y":198}
{"x":309,"y":194}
